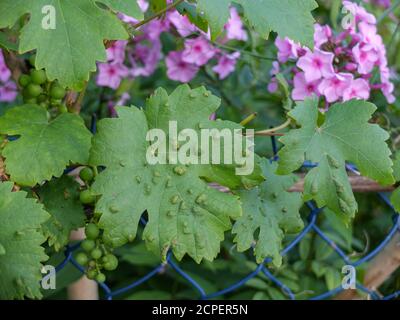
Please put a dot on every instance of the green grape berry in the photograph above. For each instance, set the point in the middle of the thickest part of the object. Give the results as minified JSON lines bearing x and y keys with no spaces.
{"x":92,"y":264}
{"x":110,"y":262}
{"x":55,"y":102}
{"x":82,"y":258}
{"x":87,"y":197}
{"x":101,"y":278}
{"x":38,"y":77}
{"x":88,"y":245}
{"x":92,"y":231}
{"x":96,"y":253}
{"x":57,"y":92}
{"x":42,"y":98}
{"x":33,"y":90}
{"x":32,"y":60}
{"x":86,"y":174}
{"x":91,"y":274}
{"x":62,"y":108}
{"x":30,"y":100}
{"x":24,"y":80}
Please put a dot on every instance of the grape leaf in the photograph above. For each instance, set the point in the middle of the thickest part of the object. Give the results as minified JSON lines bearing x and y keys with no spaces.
{"x":341,"y":137}
{"x":395,"y":197}
{"x":44,"y":147}
{"x":288,"y":18}
{"x":269,"y":212}
{"x":216,"y":13}
{"x":184,"y":213}
{"x":61,"y":199}
{"x":69,"y":51}
{"x":20,"y":240}
{"x":128,"y":7}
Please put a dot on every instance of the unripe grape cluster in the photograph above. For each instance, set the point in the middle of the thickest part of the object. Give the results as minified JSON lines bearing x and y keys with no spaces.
{"x":37,"y":89}
{"x":95,"y":256}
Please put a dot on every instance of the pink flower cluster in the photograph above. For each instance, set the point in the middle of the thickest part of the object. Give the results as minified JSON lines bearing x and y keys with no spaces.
{"x":141,"y":56}
{"x":341,"y":67}
{"x":8,"y":88}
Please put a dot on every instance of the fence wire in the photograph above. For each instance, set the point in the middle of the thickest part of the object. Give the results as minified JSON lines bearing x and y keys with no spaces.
{"x":261,"y":268}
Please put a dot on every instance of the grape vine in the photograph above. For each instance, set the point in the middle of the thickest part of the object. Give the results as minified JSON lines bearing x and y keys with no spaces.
{"x":60,"y":170}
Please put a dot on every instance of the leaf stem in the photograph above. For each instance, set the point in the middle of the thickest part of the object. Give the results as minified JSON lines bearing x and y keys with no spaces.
{"x":255,"y":55}
{"x":248,"y":119}
{"x":272,"y":131}
{"x":158,"y":14}
{"x":78,"y":102}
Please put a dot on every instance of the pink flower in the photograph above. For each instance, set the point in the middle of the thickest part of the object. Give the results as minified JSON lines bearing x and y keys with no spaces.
{"x":316,"y":65}
{"x":333,"y":88}
{"x":5,"y":73}
{"x":198,"y":51}
{"x":226,"y":65}
{"x":116,"y":53}
{"x":234,"y":27}
{"x":273,"y":84}
{"x":181,"y":23}
{"x":178,"y":69}
{"x":370,"y":35}
{"x":8,"y":92}
{"x":110,"y":75}
{"x":387,"y":90}
{"x":145,"y":56}
{"x":286,"y":49}
{"x":321,"y":34}
{"x":359,"y":12}
{"x":143,"y":5}
{"x":303,"y":88}
{"x":366,"y":57}
{"x":358,"y":89}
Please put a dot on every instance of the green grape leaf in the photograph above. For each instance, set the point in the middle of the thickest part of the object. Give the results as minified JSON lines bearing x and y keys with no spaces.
{"x":341,"y":137}
{"x":288,"y":18}
{"x":216,"y":13}
{"x":71,"y":42}
{"x":396,"y":166}
{"x":184,"y":213}
{"x":44,"y":148}
{"x":269,"y":212}
{"x":128,"y":7}
{"x":20,"y":239}
{"x":395,"y":198}
{"x":61,"y":199}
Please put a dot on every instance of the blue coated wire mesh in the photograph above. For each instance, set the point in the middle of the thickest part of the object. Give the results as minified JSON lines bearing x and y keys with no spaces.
{"x":261,"y":268}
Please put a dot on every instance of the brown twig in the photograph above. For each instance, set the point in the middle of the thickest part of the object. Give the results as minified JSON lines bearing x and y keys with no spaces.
{"x":158,"y":14}
{"x":358,"y":183}
{"x":16,"y":66}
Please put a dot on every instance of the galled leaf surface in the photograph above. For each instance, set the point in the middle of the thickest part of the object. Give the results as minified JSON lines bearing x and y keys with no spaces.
{"x":20,"y":239}
{"x":61,"y":199}
{"x":69,"y":51}
{"x":184,"y":213}
{"x":344,"y":135}
{"x":44,"y":148}
{"x":269,"y":212}
{"x":288,"y":18}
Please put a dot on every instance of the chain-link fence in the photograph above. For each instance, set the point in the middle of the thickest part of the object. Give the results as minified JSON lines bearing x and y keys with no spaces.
{"x":311,"y":226}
